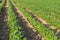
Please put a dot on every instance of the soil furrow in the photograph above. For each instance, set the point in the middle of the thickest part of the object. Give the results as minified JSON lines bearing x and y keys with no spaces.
{"x":3,"y":23}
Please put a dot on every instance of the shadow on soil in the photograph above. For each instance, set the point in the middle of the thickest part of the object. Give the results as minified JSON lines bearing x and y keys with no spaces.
{"x":3,"y":24}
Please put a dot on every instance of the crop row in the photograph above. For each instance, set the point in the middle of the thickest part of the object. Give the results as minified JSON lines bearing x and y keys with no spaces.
{"x":16,"y":32}
{"x":2,"y":4}
{"x":52,"y":18}
{"x":46,"y":32}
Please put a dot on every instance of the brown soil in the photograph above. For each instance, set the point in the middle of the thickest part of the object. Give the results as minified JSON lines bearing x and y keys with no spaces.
{"x":30,"y":32}
{"x":3,"y":24}
{"x":58,"y":34}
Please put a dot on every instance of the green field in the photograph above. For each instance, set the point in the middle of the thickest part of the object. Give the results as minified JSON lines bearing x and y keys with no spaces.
{"x":42,"y":15}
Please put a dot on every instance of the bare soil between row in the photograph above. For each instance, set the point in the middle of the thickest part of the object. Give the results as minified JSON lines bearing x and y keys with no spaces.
{"x":4,"y":30}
